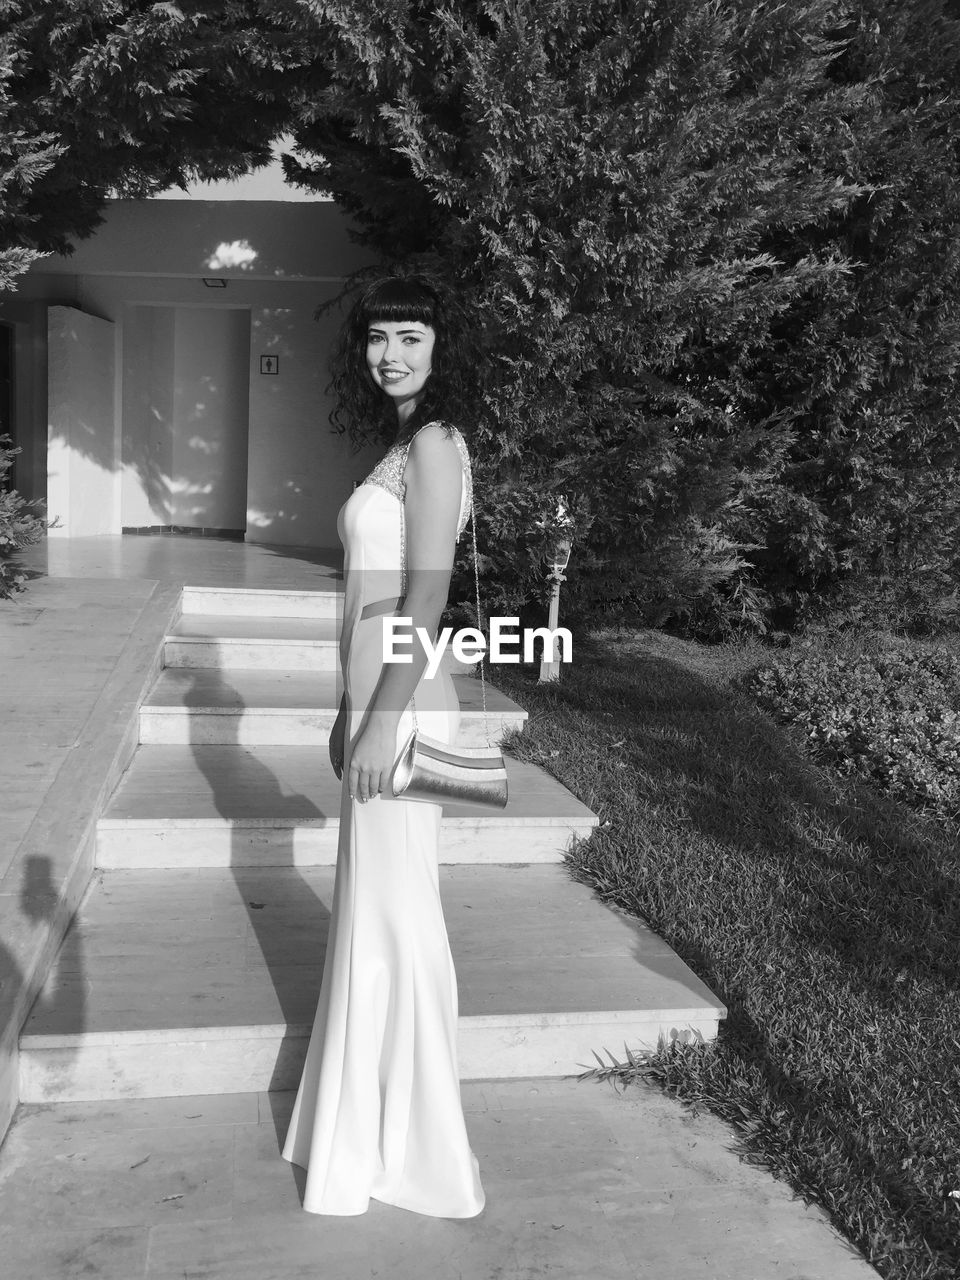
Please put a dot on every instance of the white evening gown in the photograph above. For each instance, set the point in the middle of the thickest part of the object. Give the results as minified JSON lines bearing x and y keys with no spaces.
{"x":378,"y":1111}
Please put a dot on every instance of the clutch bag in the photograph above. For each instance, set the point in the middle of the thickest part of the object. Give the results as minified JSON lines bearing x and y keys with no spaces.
{"x":437,"y":772}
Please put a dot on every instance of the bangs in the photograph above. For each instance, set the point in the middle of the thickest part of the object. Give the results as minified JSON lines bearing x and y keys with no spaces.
{"x":397,"y":299}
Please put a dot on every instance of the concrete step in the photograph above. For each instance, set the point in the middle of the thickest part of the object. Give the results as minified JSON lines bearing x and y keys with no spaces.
{"x":228,"y":642}
{"x":223,"y":806}
{"x":206,"y":982}
{"x":254,"y":602}
{"x":285,"y":708}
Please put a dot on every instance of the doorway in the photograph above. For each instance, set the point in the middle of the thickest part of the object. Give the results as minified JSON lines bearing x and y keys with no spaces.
{"x":8,"y":424}
{"x":186,"y":409}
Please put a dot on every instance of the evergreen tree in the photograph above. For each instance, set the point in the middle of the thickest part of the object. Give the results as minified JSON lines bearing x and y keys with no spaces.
{"x":21,"y":525}
{"x":713,"y":245}
{"x":867,"y":374}
{"x":25,"y":155}
{"x":128,"y":97}
{"x":608,"y":180}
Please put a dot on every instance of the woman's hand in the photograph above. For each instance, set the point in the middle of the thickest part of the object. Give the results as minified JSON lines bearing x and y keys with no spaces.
{"x":337,"y":737}
{"x":372,"y":759}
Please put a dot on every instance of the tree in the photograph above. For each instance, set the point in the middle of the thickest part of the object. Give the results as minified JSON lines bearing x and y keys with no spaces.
{"x":24,"y":157}
{"x":127,"y":97}
{"x":713,"y":245}
{"x":870,"y":497}
{"x":662,"y":210}
{"x":606,"y":179}
{"x":20,"y":525}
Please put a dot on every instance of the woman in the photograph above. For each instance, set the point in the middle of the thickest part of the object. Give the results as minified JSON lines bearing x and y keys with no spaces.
{"x":378,"y":1112}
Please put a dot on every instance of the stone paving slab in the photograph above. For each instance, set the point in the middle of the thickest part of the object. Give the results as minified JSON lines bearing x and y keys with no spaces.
{"x":83,"y":645}
{"x":60,"y":642}
{"x":176,"y":983}
{"x":217,"y":949}
{"x":582,"y":1183}
{"x":81,"y":653}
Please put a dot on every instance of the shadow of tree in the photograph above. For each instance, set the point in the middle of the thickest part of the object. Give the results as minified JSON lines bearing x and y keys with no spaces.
{"x":825,"y":915}
{"x":59,"y":1008}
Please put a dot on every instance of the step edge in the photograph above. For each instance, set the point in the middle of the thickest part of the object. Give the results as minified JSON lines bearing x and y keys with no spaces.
{"x":281,"y":642}
{"x":288,"y":824}
{"x":260,"y":592}
{"x":34,"y":1041}
{"x":179,"y":709}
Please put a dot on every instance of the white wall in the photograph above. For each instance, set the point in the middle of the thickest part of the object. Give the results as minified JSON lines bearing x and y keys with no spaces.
{"x":210,"y":394}
{"x":82,"y":445}
{"x":245,"y":239}
{"x":144,"y":270}
{"x":147,"y":413}
{"x":300,"y":471}
{"x":185,"y":393}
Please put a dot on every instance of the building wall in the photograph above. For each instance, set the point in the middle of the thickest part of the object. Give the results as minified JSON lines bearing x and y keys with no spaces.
{"x":300,"y":471}
{"x":185,"y":390}
{"x":147,"y":415}
{"x":82,"y":446}
{"x":144,"y":271}
{"x":210,"y":411}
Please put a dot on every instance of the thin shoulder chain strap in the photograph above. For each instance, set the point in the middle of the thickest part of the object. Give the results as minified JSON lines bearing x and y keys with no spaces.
{"x":476,"y":587}
{"x":476,"y":583}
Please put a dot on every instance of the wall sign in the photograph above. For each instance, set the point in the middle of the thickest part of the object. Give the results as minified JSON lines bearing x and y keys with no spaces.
{"x":269,"y":364}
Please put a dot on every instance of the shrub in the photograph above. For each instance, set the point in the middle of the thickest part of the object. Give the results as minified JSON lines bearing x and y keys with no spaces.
{"x":891,"y":715}
{"x":19,"y":527}
{"x":713,"y":247}
{"x":603,"y":180}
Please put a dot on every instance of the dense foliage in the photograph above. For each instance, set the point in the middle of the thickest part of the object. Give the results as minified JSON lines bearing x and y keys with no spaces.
{"x":126,"y":97}
{"x":890,"y":715}
{"x":20,"y":525}
{"x":714,"y":248}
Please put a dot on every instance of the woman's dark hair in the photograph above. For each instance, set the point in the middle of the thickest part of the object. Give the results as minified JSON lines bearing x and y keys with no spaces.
{"x":362,"y":410}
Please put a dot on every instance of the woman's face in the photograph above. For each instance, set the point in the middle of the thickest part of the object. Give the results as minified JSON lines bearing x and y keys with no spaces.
{"x":400,"y":359}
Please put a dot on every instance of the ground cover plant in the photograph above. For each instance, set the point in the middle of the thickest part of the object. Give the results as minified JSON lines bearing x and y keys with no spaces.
{"x":823,"y":913}
{"x":887,"y":712}
{"x":21,"y":525}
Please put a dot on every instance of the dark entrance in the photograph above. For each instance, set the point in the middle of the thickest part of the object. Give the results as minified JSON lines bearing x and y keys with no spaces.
{"x":7,"y":424}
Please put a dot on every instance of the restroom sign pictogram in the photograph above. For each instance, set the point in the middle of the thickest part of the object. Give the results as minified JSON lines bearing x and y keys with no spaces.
{"x":269,"y":364}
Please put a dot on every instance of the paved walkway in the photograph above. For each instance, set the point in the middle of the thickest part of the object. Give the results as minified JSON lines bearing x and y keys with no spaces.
{"x":582,"y":1183}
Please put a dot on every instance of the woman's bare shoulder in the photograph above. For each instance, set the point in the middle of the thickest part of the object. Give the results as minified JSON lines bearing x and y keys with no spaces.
{"x":438,"y":430}
{"x":437,"y":445}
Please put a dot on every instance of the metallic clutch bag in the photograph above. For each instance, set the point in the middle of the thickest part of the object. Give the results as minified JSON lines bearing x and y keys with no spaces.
{"x":436,"y":772}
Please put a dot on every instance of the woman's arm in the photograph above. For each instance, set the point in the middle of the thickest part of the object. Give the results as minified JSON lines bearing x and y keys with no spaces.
{"x":337,"y":735}
{"x":433,"y":479}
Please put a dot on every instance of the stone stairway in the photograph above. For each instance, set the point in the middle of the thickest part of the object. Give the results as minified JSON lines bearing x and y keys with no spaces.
{"x":194,"y":962}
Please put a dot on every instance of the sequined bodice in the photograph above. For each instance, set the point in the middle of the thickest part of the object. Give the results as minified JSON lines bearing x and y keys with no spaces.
{"x":388,"y":473}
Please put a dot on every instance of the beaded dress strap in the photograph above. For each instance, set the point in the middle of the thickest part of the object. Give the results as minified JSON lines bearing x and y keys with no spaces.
{"x":388,"y":473}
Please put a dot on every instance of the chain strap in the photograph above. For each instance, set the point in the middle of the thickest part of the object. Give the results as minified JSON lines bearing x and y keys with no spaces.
{"x":476,"y":584}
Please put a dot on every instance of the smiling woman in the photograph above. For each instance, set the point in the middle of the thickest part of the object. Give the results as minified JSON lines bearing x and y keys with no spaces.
{"x":438,"y":350}
{"x":399,"y":357}
{"x":378,"y":1111}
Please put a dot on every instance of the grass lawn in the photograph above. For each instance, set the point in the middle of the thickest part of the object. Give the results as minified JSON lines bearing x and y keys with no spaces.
{"x":826,"y":916}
